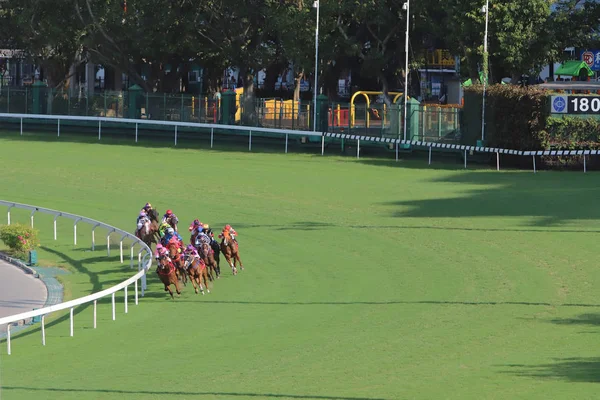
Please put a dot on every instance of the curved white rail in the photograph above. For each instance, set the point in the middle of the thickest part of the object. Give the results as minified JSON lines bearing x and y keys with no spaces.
{"x":144,"y":264}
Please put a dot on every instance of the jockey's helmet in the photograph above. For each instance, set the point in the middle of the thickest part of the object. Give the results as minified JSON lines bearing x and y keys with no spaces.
{"x":159,"y":246}
{"x":169,"y":212}
{"x":190,"y":248}
{"x":148,"y":205}
{"x":205,"y":226}
{"x":227,"y":227}
{"x":170,"y":231}
{"x":143,"y":214}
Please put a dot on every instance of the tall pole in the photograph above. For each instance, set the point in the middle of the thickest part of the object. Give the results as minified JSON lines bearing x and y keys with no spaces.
{"x":485,"y":69}
{"x":317,"y":6}
{"x":406,"y":64}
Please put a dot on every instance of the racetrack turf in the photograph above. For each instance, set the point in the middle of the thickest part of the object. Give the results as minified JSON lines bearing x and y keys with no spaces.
{"x":364,"y":279}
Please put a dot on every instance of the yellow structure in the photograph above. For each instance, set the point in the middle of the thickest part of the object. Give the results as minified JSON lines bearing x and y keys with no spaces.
{"x":367,"y":93}
{"x":288,"y":109}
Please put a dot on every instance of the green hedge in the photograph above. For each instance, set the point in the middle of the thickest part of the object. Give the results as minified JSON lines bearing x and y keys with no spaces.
{"x":569,"y":133}
{"x":516,"y":116}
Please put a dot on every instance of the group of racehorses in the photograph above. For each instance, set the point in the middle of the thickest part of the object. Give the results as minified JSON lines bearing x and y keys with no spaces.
{"x":177,"y":263}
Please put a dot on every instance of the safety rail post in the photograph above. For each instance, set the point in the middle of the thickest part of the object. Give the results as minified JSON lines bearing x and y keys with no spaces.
{"x":429,"y":154}
{"x":175,"y":135}
{"x":131,"y":255}
{"x":75,"y":231}
{"x":465,"y":158}
{"x":534,"y":171}
{"x":95,"y":312}
{"x":136,"y":132}
{"x":250,"y":141}
{"x":94,"y":236}
{"x":31,"y":217}
{"x":125,"y":295}
{"x":584,"y":165}
{"x":71,"y":321}
{"x":54,"y":223}
{"x":114,"y":317}
{"x":121,"y":247}
{"x":286,"y":143}
{"x":43,"y":322}
{"x":99,"y":129}
{"x":8,"y":215}
{"x":108,"y":242}
{"x":8,"y":339}
{"x":136,"y":292}
{"x":58,"y":128}
{"x":358,"y":148}
{"x":497,"y":161}
{"x":212,"y":133}
{"x":21,"y":126}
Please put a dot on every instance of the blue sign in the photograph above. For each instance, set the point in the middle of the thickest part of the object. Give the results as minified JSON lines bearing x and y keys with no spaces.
{"x":591,"y":58}
{"x":559,"y":104}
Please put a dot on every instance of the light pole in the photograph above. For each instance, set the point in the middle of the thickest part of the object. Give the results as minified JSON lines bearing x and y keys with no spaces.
{"x":485,"y":9}
{"x":317,"y":6}
{"x":406,"y":7}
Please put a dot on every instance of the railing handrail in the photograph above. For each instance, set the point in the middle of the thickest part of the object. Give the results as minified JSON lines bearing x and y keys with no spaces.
{"x":146,"y":263}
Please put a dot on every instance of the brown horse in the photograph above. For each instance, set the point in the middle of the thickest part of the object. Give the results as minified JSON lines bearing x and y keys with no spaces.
{"x":197,"y":271}
{"x":166,"y":272}
{"x":207,"y":255}
{"x":176,"y":257}
{"x":229,"y":247}
{"x":148,"y":233}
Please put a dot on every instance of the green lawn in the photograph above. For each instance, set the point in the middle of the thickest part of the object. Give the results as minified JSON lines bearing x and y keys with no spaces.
{"x":365,"y":279}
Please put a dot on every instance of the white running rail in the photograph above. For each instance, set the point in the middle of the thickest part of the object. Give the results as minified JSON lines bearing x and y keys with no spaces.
{"x":144,"y":256}
{"x":466,"y":150}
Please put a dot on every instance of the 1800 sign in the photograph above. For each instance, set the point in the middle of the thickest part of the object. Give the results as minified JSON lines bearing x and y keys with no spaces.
{"x":584,"y":104}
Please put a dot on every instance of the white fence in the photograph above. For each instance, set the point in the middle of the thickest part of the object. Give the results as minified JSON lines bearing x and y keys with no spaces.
{"x":466,"y":150}
{"x":144,"y":259}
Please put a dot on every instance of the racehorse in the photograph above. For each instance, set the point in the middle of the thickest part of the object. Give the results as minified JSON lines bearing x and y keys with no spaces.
{"x":207,"y":255}
{"x":148,"y":233}
{"x":196,"y":269}
{"x":214,"y":245}
{"x":176,"y":257}
{"x":167,"y":275}
{"x":229,"y":247}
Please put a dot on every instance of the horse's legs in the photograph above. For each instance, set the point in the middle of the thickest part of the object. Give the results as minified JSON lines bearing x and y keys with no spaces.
{"x":205,"y":276}
{"x":177,"y":286}
{"x":228,"y":258}
{"x":168,"y":289}
{"x":237,"y":257}
{"x":193,"y":280}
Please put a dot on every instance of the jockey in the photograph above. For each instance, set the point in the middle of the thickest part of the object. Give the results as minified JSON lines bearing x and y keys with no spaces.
{"x":190,"y":251}
{"x":208,"y":232}
{"x":171,"y":219}
{"x":162,"y":229}
{"x":228,"y":229}
{"x":194,"y":225}
{"x":160,"y":251}
{"x":142,"y":219}
{"x":171,"y":234}
{"x":147,"y":208}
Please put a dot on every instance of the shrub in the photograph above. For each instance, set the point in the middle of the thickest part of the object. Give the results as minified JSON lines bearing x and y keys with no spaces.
{"x":19,"y":238}
{"x":516,"y":116}
{"x":568,"y":133}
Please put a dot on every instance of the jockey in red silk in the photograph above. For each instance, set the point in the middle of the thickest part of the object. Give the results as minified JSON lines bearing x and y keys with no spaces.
{"x":170,"y":219}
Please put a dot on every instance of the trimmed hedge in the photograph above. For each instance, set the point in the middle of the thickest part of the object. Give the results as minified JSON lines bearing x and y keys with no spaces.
{"x":569,"y":133}
{"x":516,"y":116}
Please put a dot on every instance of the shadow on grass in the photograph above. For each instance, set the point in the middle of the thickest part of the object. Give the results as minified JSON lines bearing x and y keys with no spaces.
{"x":577,"y":369}
{"x":550,"y":198}
{"x":182,"y":393}
{"x":583,"y":319}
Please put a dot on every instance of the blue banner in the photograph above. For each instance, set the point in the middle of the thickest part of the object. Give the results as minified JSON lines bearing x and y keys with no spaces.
{"x":591,"y":58}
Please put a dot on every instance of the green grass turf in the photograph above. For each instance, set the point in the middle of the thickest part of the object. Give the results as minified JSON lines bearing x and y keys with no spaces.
{"x":364,"y":279}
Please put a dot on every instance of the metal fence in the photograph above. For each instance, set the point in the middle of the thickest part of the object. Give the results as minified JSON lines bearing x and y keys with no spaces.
{"x":430,"y":123}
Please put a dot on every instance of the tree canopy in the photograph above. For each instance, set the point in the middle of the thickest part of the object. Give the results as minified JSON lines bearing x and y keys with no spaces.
{"x":365,"y":35}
